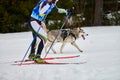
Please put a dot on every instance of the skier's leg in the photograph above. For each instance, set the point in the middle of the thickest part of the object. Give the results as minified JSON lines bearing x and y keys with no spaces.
{"x":33,"y":44}
{"x":40,"y":48}
{"x":43,"y":39}
{"x":33,"y":47}
{"x":41,"y":34}
{"x":38,"y":58}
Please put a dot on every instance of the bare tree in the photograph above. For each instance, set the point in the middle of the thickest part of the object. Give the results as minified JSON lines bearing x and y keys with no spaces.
{"x":98,"y":12}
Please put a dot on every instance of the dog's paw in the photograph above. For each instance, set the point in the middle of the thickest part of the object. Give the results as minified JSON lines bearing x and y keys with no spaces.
{"x":81,"y":51}
{"x":54,"y":51}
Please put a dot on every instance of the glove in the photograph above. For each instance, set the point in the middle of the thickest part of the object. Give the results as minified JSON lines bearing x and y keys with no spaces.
{"x":70,"y":10}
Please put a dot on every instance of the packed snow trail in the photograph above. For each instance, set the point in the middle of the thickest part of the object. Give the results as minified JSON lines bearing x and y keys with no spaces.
{"x":101,"y":50}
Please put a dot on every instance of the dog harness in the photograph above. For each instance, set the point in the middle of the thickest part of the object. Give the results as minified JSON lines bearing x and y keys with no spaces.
{"x":66,"y":33}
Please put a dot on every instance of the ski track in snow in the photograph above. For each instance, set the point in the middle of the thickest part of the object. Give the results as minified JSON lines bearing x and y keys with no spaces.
{"x":101,"y":51}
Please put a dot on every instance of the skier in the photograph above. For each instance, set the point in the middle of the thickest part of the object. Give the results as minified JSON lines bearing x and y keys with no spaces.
{"x":37,"y":18}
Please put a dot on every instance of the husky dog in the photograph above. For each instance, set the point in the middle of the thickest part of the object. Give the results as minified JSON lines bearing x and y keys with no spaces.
{"x":65,"y":36}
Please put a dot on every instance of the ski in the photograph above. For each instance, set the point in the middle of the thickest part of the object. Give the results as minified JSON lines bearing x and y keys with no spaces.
{"x":49,"y":63}
{"x":50,"y":58}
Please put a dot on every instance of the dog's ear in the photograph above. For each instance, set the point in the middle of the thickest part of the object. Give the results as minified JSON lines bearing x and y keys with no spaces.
{"x":78,"y":28}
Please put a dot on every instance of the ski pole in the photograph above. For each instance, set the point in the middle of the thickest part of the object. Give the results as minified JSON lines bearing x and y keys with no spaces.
{"x":29,"y":47}
{"x":58,"y":33}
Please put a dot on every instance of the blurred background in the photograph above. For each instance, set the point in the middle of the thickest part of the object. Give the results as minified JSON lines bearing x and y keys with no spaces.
{"x":14,"y":14}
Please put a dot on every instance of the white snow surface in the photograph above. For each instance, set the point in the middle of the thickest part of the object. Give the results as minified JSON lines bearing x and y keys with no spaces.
{"x":101,"y":51}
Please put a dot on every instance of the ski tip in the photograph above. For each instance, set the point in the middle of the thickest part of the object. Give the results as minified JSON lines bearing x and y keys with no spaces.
{"x":78,"y":55}
{"x":17,"y":64}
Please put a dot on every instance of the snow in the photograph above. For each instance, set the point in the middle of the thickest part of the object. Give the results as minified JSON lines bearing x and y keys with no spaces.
{"x":101,"y":52}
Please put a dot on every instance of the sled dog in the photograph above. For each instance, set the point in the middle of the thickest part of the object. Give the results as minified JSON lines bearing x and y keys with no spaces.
{"x":65,"y":36}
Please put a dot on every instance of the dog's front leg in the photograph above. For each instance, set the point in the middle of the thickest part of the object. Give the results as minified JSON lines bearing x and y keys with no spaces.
{"x":63,"y":45}
{"x":53,"y":50}
{"x":75,"y":45}
{"x":48,"y":45}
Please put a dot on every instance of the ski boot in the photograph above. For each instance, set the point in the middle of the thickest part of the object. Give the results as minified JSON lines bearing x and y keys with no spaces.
{"x":31,"y":56}
{"x":39,"y":60}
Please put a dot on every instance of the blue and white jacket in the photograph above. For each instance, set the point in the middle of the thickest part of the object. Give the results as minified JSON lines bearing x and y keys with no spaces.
{"x":43,"y":8}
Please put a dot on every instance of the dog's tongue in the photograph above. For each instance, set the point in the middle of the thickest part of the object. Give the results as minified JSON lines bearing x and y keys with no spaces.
{"x":83,"y":37}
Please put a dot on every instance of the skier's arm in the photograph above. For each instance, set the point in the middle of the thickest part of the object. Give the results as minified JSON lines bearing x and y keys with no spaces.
{"x":60,"y":10}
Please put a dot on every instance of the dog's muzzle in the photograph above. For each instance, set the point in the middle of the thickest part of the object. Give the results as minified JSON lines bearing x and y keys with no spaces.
{"x":83,"y":36}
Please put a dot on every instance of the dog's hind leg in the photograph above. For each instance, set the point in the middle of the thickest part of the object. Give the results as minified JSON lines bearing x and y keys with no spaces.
{"x":63,"y":45}
{"x":75,"y":45}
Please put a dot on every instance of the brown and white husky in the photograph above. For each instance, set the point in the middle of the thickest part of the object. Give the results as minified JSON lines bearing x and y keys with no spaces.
{"x":65,"y":36}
